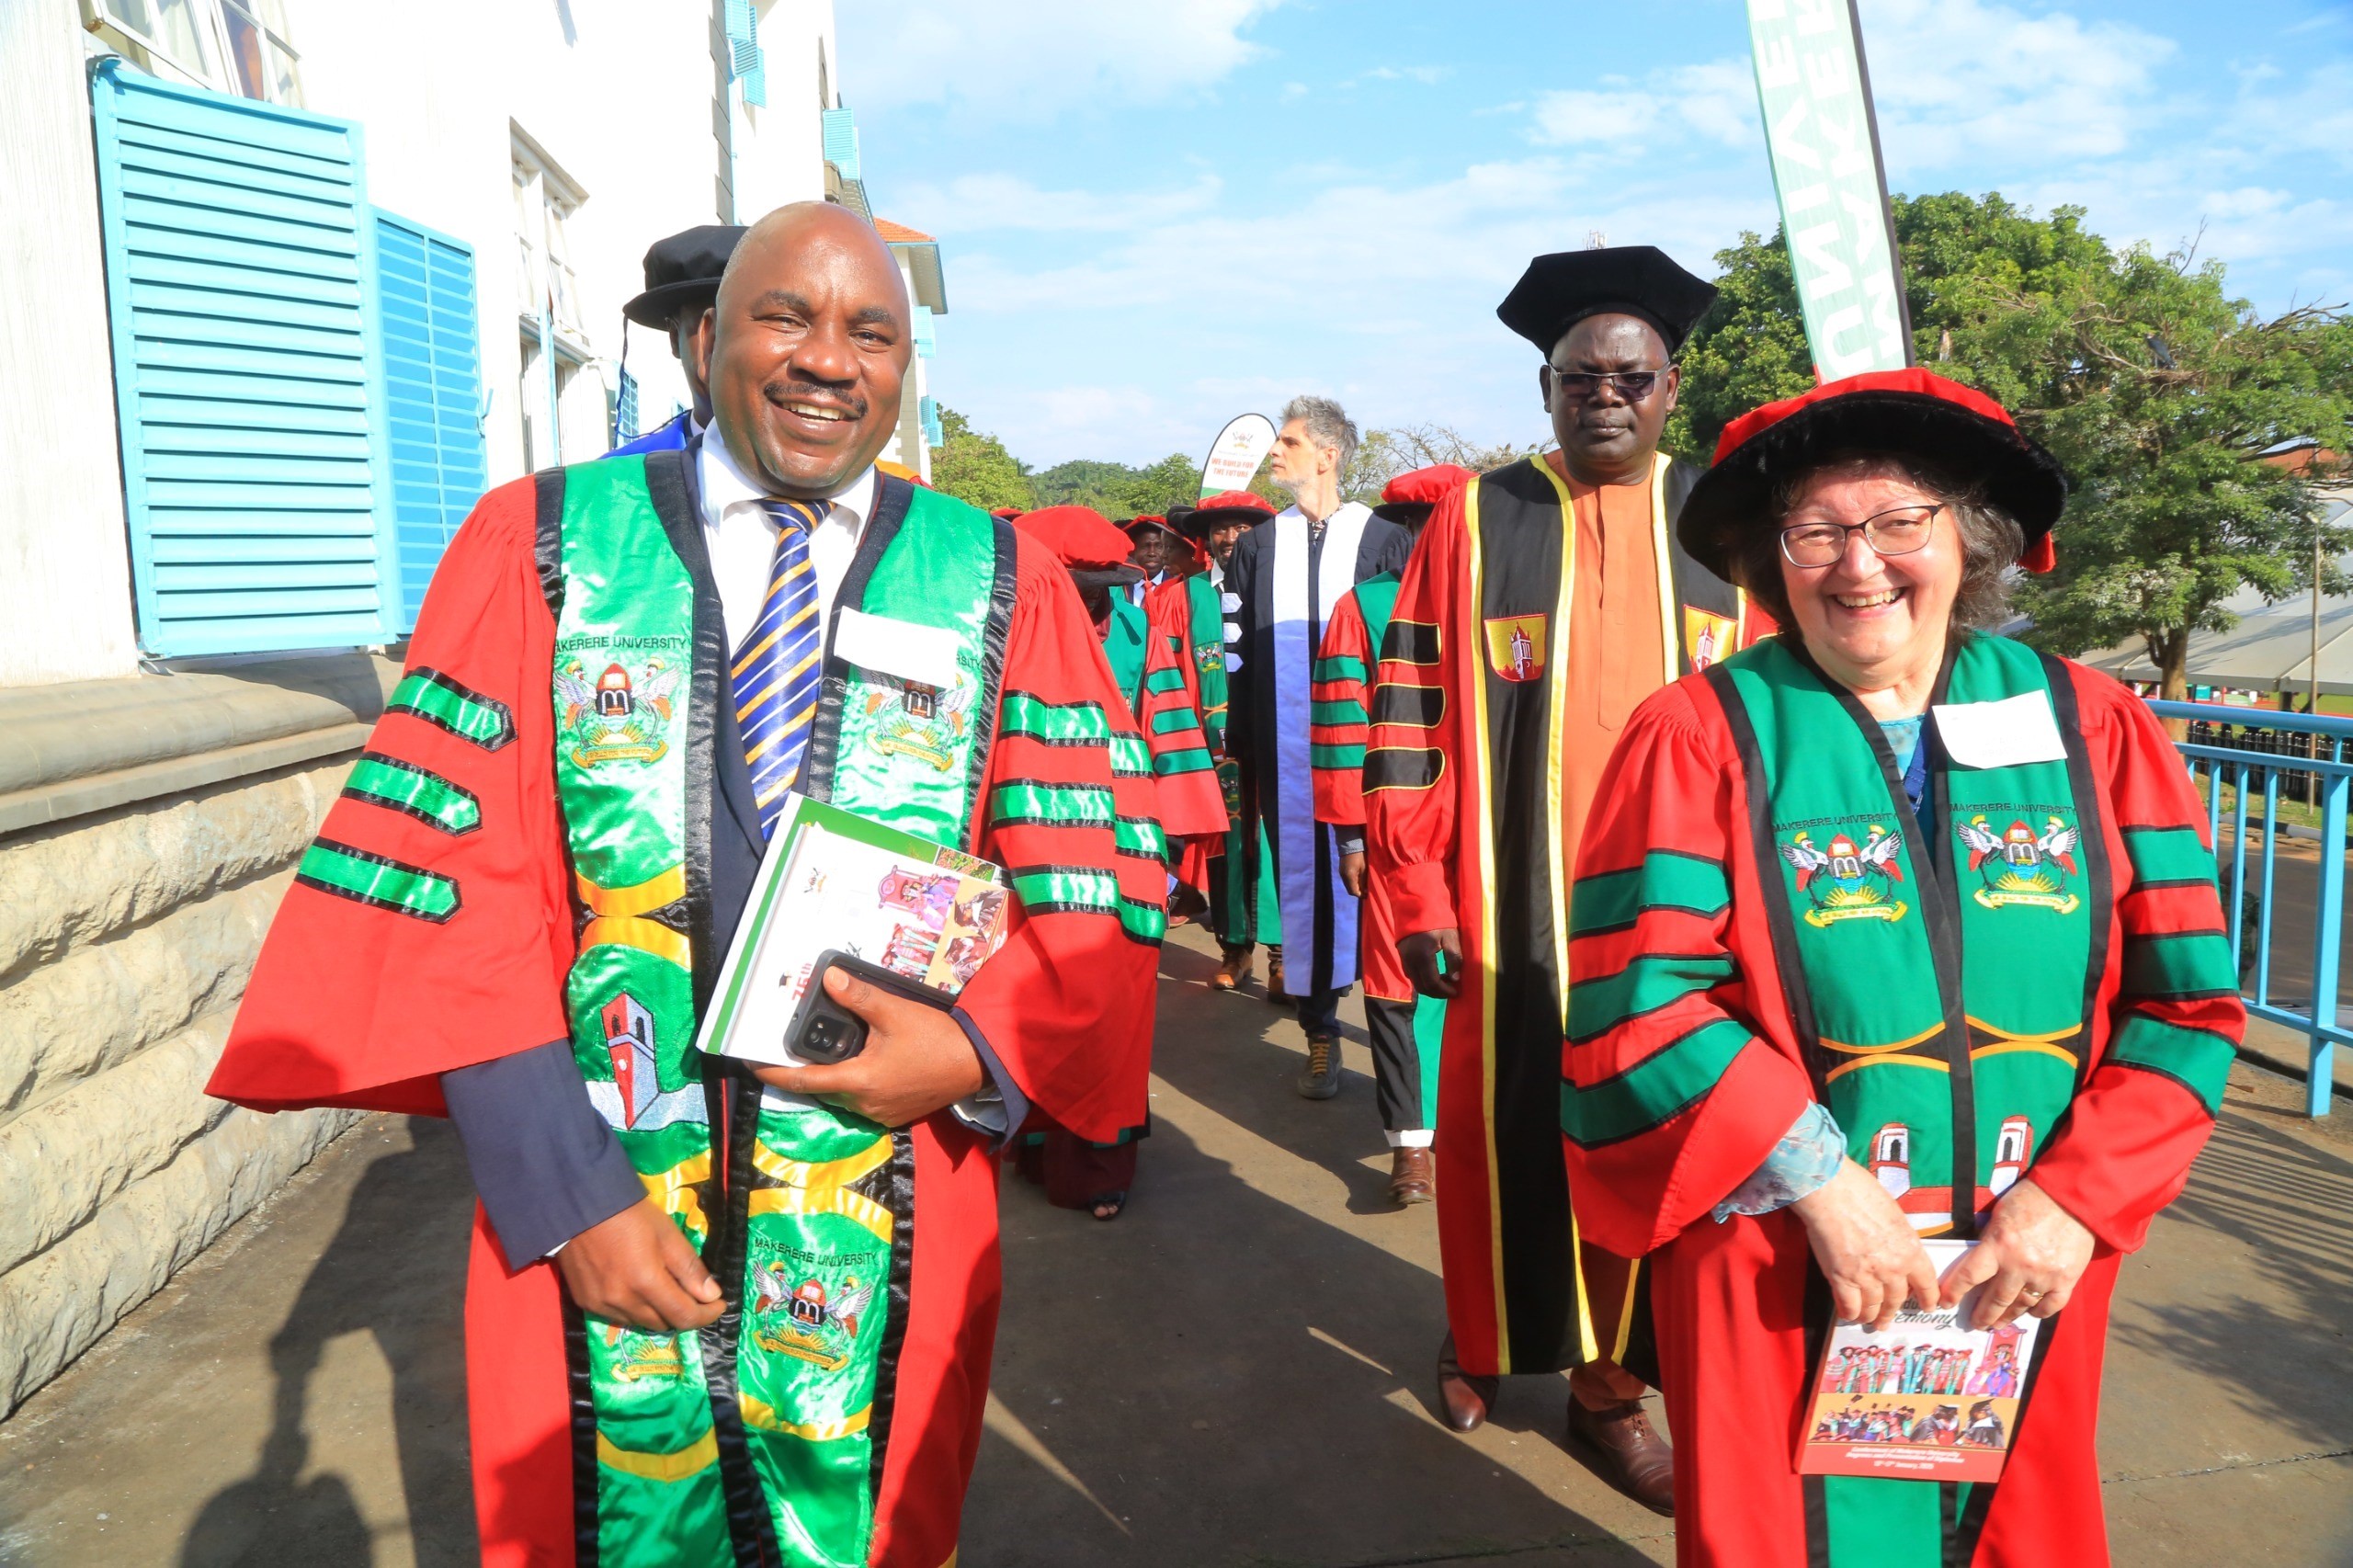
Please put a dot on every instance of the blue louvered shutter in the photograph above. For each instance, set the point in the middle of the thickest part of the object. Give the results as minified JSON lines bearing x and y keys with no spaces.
{"x":241,"y":291}
{"x":432,"y":352}
{"x":839,"y":133}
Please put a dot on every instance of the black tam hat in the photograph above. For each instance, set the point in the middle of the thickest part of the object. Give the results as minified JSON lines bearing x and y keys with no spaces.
{"x":682,"y":274}
{"x":1559,"y":291}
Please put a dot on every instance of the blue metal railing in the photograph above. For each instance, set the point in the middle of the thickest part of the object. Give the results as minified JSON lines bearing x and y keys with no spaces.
{"x":2250,"y":749}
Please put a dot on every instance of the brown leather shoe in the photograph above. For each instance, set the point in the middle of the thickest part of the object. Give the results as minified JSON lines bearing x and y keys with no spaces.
{"x":1319,"y":1079}
{"x":1234,"y":968}
{"x":1409,"y":1176}
{"x":1620,"y":1445}
{"x":1274,"y":992}
{"x":1463,"y":1399}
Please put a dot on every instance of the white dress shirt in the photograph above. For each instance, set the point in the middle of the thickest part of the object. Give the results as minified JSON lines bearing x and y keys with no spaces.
{"x":742,"y":541}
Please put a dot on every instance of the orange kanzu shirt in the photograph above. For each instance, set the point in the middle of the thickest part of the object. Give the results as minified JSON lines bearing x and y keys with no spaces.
{"x":1616,"y":655}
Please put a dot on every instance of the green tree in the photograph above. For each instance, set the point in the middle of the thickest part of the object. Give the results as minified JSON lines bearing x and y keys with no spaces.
{"x":2156,"y":389}
{"x":976,"y":468}
{"x":1086,"y":482}
{"x":1174,"y":481}
{"x":2159,"y":392}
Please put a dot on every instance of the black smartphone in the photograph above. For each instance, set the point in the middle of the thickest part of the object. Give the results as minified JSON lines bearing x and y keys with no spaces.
{"x":822,"y":1031}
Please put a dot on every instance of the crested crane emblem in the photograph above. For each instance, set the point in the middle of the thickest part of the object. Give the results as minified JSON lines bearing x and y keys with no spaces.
{"x":1845,"y":881}
{"x":806,"y":1321}
{"x":620,"y":716}
{"x":2019,"y":865}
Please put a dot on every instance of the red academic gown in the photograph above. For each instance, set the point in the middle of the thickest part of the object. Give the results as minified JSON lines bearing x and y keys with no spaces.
{"x":1730,"y":1300}
{"x":355,"y":1005}
{"x":1169,"y":709}
{"x":1169,"y":607}
{"x":1336,"y":748}
{"x":1493,"y":625}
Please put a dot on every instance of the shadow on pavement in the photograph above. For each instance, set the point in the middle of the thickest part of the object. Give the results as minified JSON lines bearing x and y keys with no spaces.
{"x":410,"y":1206}
{"x":2284,"y":1203}
{"x":1248,"y":1079}
{"x":1230,"y":1374}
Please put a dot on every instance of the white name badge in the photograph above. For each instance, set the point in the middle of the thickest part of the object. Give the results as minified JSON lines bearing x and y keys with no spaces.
{"x":2001,"y":734}
{"x":925,"y":654}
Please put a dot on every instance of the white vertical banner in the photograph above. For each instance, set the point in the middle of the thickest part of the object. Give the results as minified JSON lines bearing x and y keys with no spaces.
{"x":1236,"y":453}
{"x":1814,"y":89}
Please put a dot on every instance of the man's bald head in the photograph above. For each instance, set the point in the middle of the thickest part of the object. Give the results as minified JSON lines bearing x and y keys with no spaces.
{"x":806,"y":348}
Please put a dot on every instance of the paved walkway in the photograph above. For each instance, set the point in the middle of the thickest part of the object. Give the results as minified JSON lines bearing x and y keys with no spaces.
{"x":1236,"y":1372}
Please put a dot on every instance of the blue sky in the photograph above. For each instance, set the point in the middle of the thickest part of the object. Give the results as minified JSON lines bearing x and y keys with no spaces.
{"x":1158,"y":214}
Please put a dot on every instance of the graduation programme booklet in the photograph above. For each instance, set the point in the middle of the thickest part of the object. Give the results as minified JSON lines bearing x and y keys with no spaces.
{"x":834,"y":879}
{"x":1927,"y":1399}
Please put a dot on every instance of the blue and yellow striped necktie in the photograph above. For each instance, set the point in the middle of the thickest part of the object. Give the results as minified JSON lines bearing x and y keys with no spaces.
{"x":775,"y":675}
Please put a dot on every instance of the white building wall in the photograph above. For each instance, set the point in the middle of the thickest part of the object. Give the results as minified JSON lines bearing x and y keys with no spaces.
{"x":619,"y":94}
{"x":624,"y":95}
{"x":64,"y":560}
{"x":779,"y":150}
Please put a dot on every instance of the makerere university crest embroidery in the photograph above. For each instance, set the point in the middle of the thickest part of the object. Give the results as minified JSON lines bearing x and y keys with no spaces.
{"x":1845,"y":881}
{"x":926,"y":723}
{"x":2022,"y":865}
{"x":620,"y":718}
{"x":814,"y":1326}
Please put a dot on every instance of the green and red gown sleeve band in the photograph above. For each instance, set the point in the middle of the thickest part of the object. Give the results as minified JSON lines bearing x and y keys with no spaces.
{"x":412,"y":998}
{"x":1066,"y":1002}
{"x":1190,"y":844}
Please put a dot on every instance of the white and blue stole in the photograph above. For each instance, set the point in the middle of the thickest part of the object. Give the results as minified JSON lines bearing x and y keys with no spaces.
{"x":1319,"y":918}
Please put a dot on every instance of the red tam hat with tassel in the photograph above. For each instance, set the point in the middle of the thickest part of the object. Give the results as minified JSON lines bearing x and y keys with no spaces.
{"x":1408,"y":499}
{"x":1910,"y":413}
{"x":1088,"y":543}
{"x":1225,"y":507}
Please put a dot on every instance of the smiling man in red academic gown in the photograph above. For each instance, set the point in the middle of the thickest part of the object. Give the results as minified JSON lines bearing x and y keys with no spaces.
{"x":449,"y":940}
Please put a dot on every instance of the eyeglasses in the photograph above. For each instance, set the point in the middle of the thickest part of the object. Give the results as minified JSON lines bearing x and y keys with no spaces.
{"x":1899,"y":530}
{"x":1583,"y":386}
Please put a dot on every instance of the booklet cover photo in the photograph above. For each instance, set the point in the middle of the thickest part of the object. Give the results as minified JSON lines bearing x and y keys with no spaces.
{"x":1926,"y":1399}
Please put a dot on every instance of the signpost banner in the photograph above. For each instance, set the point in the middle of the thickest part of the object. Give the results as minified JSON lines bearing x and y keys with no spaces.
{"x":1814,"y":89}
{"x":1236,"y":453}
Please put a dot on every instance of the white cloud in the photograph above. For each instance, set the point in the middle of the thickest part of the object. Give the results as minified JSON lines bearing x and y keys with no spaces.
{"x":1967,"y":82}
{"x":1031,"y":59}
{"x":1578,"y":115}
{"x":994,"y":203}
{"x":1716,"y":100}
{"x":1382,"y":295}
{"x":2282,"y":119}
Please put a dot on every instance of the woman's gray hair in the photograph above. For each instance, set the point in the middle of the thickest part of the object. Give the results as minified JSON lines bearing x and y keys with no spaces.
{"x":1327,"y":426}
{"x":1990,"y":539}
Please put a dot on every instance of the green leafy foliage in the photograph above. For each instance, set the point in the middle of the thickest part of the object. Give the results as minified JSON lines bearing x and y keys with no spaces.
{"x":2156,"y":390}
{"x":1117,"y":490}
{"x":976,"y":468}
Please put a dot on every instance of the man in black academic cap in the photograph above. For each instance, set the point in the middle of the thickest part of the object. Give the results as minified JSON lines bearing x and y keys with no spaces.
{"x":682,"y":277}
{"x":1546,"y":600}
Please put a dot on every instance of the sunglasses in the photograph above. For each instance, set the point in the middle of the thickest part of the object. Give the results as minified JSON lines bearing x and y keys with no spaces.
{"x":1584,"y":386}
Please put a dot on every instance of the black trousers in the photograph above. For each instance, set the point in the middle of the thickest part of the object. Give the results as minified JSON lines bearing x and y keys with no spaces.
{"x":1396,"y":1064}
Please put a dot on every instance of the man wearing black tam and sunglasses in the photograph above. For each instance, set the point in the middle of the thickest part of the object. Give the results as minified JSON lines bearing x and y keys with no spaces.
{"x":1546,"y":600}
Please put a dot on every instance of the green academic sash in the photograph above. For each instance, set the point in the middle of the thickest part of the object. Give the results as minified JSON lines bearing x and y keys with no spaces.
{"x":1940,"y":972}
{"x":761,"y":1439}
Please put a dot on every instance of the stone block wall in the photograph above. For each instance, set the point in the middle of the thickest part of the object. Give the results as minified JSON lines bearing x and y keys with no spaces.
{"x":126,"y":935}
